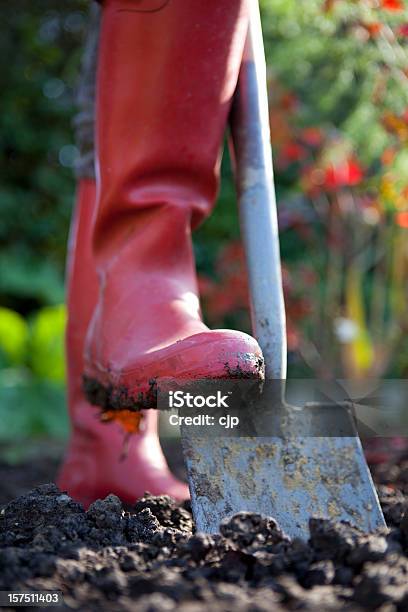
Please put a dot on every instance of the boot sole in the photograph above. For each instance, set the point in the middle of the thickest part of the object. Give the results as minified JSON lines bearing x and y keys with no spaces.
{"x":111,"y":397}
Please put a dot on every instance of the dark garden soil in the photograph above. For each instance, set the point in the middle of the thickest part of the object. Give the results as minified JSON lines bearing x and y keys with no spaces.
{"x":148,"y":558}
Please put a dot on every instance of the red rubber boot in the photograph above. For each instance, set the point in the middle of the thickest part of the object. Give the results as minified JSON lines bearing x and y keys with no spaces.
{"x":94,"y":465}
{"x":167,"y":74}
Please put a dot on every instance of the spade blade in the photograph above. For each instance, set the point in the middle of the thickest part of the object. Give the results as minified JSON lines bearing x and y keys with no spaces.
{"x":288,"y":476}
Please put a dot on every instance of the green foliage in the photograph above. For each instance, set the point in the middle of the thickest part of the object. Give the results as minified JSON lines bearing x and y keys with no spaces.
{"x":37,"y":345}
{"x":30,"y":408}
{"x":43,"y":42}
{"x":13,"y":336}
{"x":221,"y":227}
{"x":332,"y":65}
{"x":25,"y":278}
{"x":32,"y":373}
{"x":46,"y":346}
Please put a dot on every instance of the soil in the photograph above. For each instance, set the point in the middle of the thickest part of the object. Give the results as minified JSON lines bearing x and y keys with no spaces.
{"x":148,"y":557}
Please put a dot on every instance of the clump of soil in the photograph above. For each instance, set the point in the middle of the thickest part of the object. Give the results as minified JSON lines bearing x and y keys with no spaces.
{"x":149,"y":558}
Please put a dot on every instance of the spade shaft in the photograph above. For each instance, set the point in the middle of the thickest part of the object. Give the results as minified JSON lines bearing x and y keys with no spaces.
{"x":252,"y":153}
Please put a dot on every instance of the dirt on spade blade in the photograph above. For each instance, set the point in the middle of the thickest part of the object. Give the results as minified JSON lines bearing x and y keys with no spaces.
{"x":148,"y":558}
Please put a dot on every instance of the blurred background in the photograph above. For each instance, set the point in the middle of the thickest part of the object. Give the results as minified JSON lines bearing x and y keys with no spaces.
{"x":338,"y":82}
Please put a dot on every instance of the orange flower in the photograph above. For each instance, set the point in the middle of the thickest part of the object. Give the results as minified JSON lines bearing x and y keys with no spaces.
{"x":388,"y":156}
{"x":397,"y":125}
{"x":373,"y":28}
{"x":328,"y":5}
{"x":312,"y":180}
{"x":401,"y":219}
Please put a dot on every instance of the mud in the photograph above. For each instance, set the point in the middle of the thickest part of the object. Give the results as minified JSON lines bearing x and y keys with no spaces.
{"x":149,"y":558}
{"x":108,"y":397}
{"x":119,"y":398}
{"x":237,"y":373}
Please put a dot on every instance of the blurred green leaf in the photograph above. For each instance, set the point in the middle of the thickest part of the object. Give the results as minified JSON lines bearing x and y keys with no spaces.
{"x":13,"y":335}
{"x":47,"y":358}
{"x":30,"y":409}
{"x":23,"y":276}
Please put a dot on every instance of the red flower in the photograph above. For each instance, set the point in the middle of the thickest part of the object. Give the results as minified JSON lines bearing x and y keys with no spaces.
{"x":312,"y":136}
{"x":292,"y":336}
{"x":403,"y":30}
{"x":294,"y":151}
{"x":289,"y":102}
{"x":348,"y":174}
{"x":392,"y":5}
{"x":205,"y":285}
{"x":290,"y":153}
{"x":230,"y":292}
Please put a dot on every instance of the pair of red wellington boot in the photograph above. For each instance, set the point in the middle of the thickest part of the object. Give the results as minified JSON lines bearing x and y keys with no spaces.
{"x":166,"y":76}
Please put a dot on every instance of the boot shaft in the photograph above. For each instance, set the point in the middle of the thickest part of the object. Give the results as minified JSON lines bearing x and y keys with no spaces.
{"x":166,"y":78}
